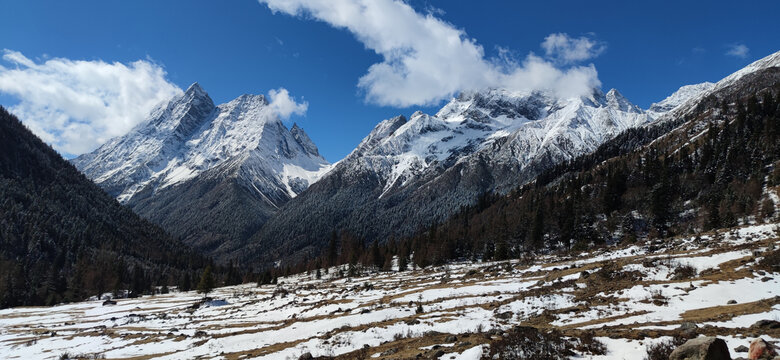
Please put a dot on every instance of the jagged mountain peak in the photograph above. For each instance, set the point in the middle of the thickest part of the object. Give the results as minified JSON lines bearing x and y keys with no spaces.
{"x":303,"y":139}
{"x":189,"y":135}
{"x":380,"y":132}
{"x":616,"y":100}
{"x":475,"y":124}
{"x":195,"y":88}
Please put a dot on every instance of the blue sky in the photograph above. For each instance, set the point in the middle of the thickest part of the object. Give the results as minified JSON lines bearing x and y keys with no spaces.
{"x":648,"y":50}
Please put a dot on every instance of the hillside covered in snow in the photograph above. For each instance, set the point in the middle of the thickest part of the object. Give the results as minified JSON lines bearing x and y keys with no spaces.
{"x":613,"y":303}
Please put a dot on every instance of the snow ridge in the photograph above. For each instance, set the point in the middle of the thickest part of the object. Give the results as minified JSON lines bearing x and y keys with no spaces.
{"x":503,"y":126}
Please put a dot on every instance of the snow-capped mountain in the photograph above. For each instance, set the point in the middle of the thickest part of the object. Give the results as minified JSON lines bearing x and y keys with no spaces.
{"x":407,"y":174}
{"x":189,"y":135}
{"x":499,"y":126}
{"x":189,"y":153}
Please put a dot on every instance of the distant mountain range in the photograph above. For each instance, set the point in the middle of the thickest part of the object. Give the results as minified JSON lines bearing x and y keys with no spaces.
{"x":234,"y":182}
{"x":407,"y":175}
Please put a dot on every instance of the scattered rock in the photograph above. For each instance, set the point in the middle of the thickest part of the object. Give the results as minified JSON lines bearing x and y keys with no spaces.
{"x":688,"y":328}
{"x":506,"y":315}
{"x":765,"y":279}
{"x":766,"y":325}
{"x":389,"y":352}
{"x":306,"y":356}
{"x":760,"y":349}
{"x":741,"y":348}
{"x":702,"y":348}
{"x":437,"y":354}
{"x":109,"y":302}
{"x":731,"y":302}
{"x":200,"y":333}
{"x":453,"y":338}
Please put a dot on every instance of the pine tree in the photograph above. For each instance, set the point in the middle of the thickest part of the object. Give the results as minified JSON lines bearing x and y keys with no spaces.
{"x":332,"y":250}
{"x":537,"y":232}
{"x":376,"y":256}
{"x":206,"y":283}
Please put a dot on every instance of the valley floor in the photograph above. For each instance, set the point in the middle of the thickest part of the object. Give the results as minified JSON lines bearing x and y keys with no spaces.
{"x":627,"y":296}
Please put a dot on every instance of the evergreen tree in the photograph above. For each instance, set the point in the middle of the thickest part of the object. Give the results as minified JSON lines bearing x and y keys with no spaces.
{"x":206,"y":283}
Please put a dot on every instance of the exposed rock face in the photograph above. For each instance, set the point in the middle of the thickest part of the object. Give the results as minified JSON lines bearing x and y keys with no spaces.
{"x":702,"y":348}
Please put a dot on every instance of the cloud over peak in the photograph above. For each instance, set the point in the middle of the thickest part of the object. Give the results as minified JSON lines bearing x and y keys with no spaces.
{"x":426,"y":60}
{"x":77,"y":105}
{"x":285,"y":105}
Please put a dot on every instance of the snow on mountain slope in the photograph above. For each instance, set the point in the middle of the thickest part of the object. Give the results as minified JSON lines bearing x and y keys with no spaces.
{"x":679,"y":97}
{"x":504,"y":126}
{"x":687,"y":103}
{"x":189,"y":135}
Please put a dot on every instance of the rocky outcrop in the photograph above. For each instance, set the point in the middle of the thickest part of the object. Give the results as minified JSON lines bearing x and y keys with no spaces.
{"x":702,"y":348}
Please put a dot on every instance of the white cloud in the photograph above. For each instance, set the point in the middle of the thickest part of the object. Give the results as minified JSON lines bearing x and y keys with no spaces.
{"x":567,"y":50}
{"x":76,"y":105}
{"x":285,"y":105}
{"x":738,"y":50}
{"x":426,"y":59}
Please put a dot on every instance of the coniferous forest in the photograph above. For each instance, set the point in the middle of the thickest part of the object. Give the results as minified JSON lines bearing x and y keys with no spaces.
{"x":63,"y":239}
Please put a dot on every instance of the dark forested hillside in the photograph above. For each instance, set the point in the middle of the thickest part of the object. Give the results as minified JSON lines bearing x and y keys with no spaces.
{"x":62,"y":238}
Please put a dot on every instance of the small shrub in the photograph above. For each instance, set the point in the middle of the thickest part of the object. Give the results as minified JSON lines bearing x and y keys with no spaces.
{"x":662,"y":349}
{"x":771,"y":261}
{"x":684,"y":271}
{"x":658,"y":298}
{"x":588,"y":344}
{"x":530,"y":343}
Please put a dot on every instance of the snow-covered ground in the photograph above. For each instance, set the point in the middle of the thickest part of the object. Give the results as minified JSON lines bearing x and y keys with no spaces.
{"x":377,"y":314}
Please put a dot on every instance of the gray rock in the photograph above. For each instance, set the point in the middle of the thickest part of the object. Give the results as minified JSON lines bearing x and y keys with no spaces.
{"x":688,"y":328}
{"x":306,"y":356}
{"x":732,"y":302}
{"x":741,"y":348}
{"x":766,"y":324}
{"x":702,"y":348}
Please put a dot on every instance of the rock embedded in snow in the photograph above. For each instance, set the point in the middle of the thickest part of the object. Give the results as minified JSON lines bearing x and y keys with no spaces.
{"x":760,"y":349}
{"x":702,"y":348}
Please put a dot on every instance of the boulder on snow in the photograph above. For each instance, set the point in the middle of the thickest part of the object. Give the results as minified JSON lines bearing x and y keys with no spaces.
{"x":702,"y":348}
{"x":741,"y":348}
{"x":765,"y":325}
{"x":760,"y":349}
